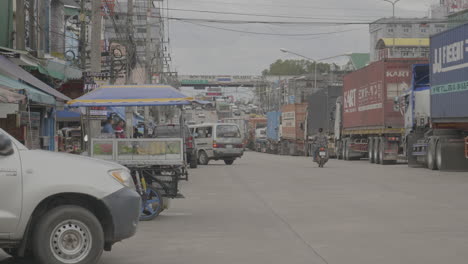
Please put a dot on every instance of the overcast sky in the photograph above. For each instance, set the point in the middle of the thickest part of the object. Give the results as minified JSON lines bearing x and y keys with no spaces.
{"x":201,"y":50}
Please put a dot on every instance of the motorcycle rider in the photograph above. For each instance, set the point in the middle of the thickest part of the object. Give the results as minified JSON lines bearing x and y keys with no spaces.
{"x":320,"y":140}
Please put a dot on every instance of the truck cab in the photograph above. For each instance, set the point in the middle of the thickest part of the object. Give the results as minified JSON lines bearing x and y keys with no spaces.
{"x":62,"y":208}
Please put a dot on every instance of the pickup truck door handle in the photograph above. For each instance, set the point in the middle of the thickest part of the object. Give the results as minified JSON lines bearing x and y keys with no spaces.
{"x":29,"y":171}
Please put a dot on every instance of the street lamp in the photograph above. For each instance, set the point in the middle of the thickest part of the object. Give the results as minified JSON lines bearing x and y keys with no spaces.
{"x":315,"y":70}
{"x":314,"y":61}
{"x":393,"y":3}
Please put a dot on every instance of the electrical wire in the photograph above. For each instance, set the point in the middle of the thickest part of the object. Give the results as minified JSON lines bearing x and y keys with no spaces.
{"x":271,"y":34}
{"x":261,"y":15}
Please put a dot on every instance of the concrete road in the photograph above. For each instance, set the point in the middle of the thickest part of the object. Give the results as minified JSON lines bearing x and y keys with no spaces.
{"x":277,"y":209}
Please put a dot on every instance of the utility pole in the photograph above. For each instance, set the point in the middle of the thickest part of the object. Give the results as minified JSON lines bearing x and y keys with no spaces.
{"x":148,"y":46}
{"x":129,"y":49}
{"x":393,"y":3}
{"x":82,"y":46}
{"x":41,"y":10}
{"x":20,"y":27}
{"x":32,"y":27}
{"x":96,"y":19}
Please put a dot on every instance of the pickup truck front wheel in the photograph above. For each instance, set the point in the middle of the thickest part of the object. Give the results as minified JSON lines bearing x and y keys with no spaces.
{"x":68,"y":234}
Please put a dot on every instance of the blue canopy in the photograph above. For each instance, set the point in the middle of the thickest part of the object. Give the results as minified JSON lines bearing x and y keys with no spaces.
{"x":132,"y":95}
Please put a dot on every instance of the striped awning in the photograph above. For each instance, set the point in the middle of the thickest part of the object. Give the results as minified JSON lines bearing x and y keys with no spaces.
{"x":132,"y":95}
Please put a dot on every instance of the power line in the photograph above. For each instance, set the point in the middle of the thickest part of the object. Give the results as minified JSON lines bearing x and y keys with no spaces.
{"x":290,"y":6}
{"x":337,"y":23}
{"x":260,"y":15}
{"x":271,"y":34}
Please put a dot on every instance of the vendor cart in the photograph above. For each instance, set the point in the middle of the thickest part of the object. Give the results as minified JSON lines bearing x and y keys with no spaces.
{"x":156,"y":164}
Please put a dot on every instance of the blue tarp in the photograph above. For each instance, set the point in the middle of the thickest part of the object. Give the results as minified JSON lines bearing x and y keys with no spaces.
{"x":132,"y":95}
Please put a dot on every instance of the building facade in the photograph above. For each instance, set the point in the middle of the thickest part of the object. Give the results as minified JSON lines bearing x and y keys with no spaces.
{"x":385,"y":30}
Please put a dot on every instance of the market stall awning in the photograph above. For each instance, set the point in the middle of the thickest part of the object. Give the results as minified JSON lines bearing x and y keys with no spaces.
{"x":14,"y":70}
{"x":132,"y":95}
{"x":32,"y":93}
{"x":8,"y":96}
{"x":68,"y":116}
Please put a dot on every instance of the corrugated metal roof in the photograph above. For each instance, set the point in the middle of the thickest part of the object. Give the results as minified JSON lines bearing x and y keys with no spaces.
{"x":407,"y":42}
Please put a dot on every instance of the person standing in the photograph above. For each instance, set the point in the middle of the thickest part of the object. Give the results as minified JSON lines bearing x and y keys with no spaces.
{"x":120,"y":130}
{"x":107,"y":128}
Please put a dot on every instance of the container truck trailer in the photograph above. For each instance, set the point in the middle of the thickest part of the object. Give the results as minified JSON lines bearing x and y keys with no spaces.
{"x":253,"y":125}
{"x":293,"y":137}
{"x":321,"y":108}
{"x":368,"y":122}
{"x":273,"y":132}
{"x":435,"y":109}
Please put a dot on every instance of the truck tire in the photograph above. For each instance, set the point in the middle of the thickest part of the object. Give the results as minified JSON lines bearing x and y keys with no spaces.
{"x":68,"y":234}
{"x":370,"y":148}
{"x":345,"y":150}
{"x":203,"y":158}
{"x":193,"y":162}
{"x":229,"y":162}
{"x":338,"y":151}
{"x":440,"y":162}
{"x":376,"y":150}
{"x":431,"y":152}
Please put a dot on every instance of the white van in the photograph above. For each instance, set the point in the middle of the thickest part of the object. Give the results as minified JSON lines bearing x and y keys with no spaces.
{"x":62,"y":208}
{"x":218,"y":141}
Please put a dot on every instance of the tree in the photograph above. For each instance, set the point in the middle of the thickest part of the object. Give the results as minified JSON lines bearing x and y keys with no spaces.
{"x":295,"y":67}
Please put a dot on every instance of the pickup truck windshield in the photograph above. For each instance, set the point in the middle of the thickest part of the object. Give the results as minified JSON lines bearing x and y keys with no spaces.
{"x":226,"y":131}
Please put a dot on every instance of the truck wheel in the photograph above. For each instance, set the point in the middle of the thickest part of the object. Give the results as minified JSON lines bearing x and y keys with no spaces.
{"x":228,"y":162}
{"x":68,"y":234}
{"x":382,"y":152}
{"x":345,"y":149}
{"x":376,"y":150}
{"x":193,"y":162}
{"x":338,"y":151}
{"x":203,"y":158}
{"x":370,"y":148}
{"x":431,"y":149}
{"x":438,"y":156}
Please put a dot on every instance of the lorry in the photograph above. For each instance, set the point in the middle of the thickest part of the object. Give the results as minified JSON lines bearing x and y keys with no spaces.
{"x":435,"y":111}
{"x":293,"y":129}
{"x":368,"y":124}
{"x":321,"y":107}
{"x":273,"y":132}
{"x":254,"y":124}
{"x":62,"y":208}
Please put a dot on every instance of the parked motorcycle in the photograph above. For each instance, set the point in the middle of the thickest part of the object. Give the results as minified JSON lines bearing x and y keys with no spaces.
{"x":322,"y":157}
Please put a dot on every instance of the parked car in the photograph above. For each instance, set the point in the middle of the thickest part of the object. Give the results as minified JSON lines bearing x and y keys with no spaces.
{"x":218,"y":141}
{"x":62,"y":208}
{"x":171,"y":131}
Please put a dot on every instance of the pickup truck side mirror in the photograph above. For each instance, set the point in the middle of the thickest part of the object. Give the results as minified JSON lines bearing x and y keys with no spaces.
{"x":6,"y":146}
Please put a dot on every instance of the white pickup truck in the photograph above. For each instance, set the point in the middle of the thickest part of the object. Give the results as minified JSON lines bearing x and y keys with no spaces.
{"x":62,"y":208}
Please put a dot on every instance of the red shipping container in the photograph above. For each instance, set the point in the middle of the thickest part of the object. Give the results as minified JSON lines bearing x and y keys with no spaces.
{"x":293,"y":121}
{"x":369,"y":94}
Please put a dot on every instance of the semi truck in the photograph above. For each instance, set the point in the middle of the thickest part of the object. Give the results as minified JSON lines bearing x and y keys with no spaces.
{"x":293,"y":137}
{"x":435,"y":110}
{"x":254,"y":124}
{"x":273,"y":132}
{"x":368,"y":124}
{"x":321,"y":110}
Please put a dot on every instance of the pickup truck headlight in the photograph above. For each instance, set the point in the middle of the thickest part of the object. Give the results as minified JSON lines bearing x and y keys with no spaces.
{"x":123,"y":177}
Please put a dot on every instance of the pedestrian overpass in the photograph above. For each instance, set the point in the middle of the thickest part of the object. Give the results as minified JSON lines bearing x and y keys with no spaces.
{"x":203,"y":81}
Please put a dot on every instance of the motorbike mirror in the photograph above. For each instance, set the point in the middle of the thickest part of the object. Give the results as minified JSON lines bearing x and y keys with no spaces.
{"x":6,"y":146}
